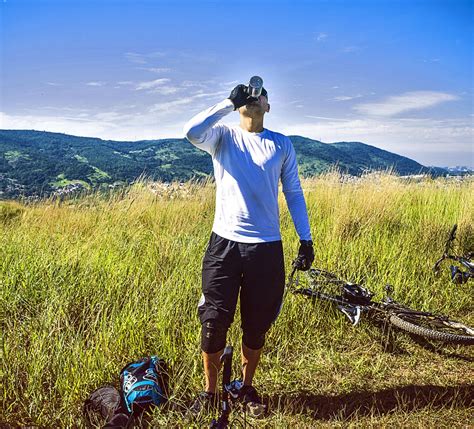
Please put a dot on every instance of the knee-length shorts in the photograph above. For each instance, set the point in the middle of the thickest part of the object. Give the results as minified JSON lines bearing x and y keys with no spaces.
{"x":254,"y":271}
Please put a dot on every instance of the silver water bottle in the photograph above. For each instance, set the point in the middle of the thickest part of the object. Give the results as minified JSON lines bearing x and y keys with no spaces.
{"x":255,"y":86}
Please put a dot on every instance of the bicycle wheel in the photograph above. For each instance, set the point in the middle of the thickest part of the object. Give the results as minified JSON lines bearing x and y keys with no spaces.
{"x":434,"y":327}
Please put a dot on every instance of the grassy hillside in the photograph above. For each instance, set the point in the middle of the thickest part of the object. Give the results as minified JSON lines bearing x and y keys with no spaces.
{"x":354,"y":158}
{"x":89,"y":284}
{"x":36,"y":163}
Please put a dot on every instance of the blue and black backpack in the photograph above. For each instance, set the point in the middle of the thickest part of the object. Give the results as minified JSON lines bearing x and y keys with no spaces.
{"x":144,"y":383}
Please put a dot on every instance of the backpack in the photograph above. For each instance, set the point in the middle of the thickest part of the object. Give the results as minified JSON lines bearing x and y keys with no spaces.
{"x":105,"y":406}
{"x":144,"y":383}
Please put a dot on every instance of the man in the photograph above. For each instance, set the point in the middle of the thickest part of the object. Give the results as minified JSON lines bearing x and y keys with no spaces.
{"x":245,"y":253}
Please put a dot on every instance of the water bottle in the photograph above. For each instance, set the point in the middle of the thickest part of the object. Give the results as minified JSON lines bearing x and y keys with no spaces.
{"x":255,"y":86}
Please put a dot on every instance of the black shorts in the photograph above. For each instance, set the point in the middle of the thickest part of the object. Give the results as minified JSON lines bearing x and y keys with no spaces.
{"x":255,"y":270}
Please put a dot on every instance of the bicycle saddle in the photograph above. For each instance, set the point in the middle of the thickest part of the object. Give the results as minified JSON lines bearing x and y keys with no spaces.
{"x":356,"y":294}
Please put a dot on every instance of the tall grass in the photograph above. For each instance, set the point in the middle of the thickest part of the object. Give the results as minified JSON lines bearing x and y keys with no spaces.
{"x":91,"y":283}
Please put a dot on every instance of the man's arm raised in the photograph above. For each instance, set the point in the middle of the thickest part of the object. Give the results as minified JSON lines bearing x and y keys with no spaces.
{"x":202,"y":131}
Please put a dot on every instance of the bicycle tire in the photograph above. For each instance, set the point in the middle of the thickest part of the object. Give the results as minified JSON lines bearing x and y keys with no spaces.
{"x":430,"y":333}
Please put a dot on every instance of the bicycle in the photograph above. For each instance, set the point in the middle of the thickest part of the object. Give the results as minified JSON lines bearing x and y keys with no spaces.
{"x":352,"y":300}
{"x":458,"y":276}
{"x":230,"y":393}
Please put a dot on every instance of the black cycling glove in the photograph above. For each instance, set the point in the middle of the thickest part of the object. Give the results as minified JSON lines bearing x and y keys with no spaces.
{"x":305,"y":256}
{"x":240,"y":97}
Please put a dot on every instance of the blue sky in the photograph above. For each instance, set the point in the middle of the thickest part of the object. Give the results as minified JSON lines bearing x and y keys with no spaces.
{"x":394,"y":74}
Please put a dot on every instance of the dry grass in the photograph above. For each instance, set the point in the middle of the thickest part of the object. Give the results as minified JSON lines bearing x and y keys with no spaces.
{"x":89,"y":284}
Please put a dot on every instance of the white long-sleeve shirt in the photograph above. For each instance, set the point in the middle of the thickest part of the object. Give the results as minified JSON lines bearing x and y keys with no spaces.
{"x":247,"y":169}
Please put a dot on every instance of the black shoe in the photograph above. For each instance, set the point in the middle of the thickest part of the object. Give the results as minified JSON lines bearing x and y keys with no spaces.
{"x":252,"y":403}
{"x":203,"y":404}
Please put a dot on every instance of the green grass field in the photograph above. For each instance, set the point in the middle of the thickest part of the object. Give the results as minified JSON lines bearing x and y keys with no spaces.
{"x":91,"y":283}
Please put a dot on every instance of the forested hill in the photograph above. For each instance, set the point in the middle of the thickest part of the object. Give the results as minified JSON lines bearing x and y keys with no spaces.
{"x":38,"y":163}
{"x":352,"y":157}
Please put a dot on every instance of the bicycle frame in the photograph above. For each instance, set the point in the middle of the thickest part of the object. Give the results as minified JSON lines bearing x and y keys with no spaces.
{"x":353,"y":305}
{"x":226,"y":359}
{"x":229,"y":391}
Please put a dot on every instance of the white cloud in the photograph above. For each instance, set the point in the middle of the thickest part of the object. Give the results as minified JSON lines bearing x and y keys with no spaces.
{"x":112,"y":116}
{"x":175,"y":105}
{"x":171,"y":105}
{"x":325,"y":118}
{"x":408,"y":101}
{"x":162,"y":86}
{"x":320,"y":37}
{"x":157,"y":86}
{"x":196,"y":83}
{"x":151,"y":84}
{"x":210,"y":95}
{"x":156,"y":69}
{"x":346,"y":97}
{"x":63,"y":109}
{"x":95,"y":83}
{"x":160,"y":120}
{"x":137,"y":58}
{"x":53,"y":123}
{"x":54,"y":84}
{"x":427,"y":140}
{"x":107,"y":125}
{"x":165,"y":90}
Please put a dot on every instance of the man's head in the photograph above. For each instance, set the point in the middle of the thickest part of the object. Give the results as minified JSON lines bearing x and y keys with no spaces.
{"x":256,"y":108}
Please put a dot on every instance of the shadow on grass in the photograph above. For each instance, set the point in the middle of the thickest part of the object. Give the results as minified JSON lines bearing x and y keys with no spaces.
{"x":365,"y":403}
